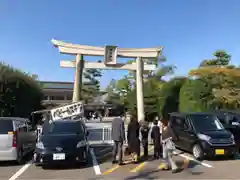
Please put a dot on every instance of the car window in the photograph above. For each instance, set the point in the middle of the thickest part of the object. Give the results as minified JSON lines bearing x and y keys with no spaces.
{"x":6,"y":126}
{"x":63,"y":128}
{"x":179,"y":122}
{"x":202,"y":122}
{"x":235,"y":120}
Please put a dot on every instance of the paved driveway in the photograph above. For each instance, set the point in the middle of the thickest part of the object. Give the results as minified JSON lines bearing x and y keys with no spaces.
{"x":100,"y":167}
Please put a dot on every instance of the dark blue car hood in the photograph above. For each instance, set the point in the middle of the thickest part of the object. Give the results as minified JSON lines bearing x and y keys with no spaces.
{"x":218,"y":134}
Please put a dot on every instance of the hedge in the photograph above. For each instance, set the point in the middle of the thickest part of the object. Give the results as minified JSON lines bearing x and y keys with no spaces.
{"x":20,"y":93}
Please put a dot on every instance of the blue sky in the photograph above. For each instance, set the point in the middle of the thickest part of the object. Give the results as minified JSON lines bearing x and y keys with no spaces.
{"x":189,"y":30}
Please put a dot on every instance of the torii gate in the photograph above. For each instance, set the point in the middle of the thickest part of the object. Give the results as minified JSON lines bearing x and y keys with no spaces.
{"x":110,"y":54}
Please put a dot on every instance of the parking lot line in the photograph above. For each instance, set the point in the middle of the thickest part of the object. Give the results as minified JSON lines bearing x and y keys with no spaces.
{"x":108,"y":171}
{"x":186,"y":163}
{"x":111,"y":169}
{"x":95,"y":163}
{"x":20,"y":171}
{"x":139,"y":167}
{"x":192,"y":159}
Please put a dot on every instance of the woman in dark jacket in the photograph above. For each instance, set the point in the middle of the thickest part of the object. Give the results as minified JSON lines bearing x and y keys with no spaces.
{"x":133,"y":138}
{"x":168,"y":136}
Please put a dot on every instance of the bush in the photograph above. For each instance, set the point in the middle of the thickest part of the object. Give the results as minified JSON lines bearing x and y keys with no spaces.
{"x":20,"y":93}
{"x":169,"y":96}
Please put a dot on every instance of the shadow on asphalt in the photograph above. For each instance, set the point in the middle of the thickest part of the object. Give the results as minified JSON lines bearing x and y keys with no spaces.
{"x":103,"y":153}
{"x":68,"y":167}
{"x":237,"y":157}
{"x":149,"y":174}
{"x":144,"y":175}
{"x":8,"y":163}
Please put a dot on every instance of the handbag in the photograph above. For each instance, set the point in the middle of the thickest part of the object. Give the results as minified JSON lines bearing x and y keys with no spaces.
{"x":169,"y":144}
{"x":127,"y":151}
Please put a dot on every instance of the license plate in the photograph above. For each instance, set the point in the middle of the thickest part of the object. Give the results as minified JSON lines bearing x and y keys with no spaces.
{"x":60,"y":156}
{"x":219,"y":151}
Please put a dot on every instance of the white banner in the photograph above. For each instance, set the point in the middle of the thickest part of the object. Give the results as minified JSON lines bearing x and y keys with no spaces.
{"x":67,"y":111}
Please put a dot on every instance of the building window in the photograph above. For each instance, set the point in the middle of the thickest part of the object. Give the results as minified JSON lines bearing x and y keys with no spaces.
{"x":57,"y":98}
{"x":45,"y":97}
{"x":69,"y":97}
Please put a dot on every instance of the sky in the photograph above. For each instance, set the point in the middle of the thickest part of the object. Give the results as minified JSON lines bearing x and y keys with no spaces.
{"x":189,"y":31}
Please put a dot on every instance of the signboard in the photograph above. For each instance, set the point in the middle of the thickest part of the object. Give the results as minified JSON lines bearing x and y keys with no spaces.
{"x":67,"y":111}
{"x":110,"y":55}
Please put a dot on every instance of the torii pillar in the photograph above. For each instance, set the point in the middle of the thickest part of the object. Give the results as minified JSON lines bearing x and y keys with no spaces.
{"x":110,"y":54}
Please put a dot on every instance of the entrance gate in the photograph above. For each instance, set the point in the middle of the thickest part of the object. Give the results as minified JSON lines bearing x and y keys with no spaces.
{"x":110,"y":54}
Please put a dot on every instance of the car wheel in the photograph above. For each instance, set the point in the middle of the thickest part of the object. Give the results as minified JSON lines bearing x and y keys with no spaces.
{"x":198,"y":152}
{"x":20,"y":157}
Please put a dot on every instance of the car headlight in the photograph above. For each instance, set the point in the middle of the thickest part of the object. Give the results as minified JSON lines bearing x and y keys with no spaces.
{"x":40,"y":145}
{"x":204,"y":137}
{"x":81,"y":144}
{"x":233,"y":139}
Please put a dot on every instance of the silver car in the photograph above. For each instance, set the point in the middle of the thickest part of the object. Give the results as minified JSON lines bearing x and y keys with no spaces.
{"x":16,"y":139}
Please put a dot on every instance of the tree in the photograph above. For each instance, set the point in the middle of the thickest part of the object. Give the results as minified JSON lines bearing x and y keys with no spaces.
{"x":20,"y":92}
{"x":91,"y":88}
{"x":113,"y":95}
{"x":222,"y":58}
{"x":118,"y":89}
{"x":195,"y":96}
{"x":169,"y":96}
{"x":216,"y":81}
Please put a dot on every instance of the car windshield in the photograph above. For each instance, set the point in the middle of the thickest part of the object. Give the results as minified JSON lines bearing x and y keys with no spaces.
{"x":62,"y":128}
{"x":237,"y":118}
{"x":204,"y":122}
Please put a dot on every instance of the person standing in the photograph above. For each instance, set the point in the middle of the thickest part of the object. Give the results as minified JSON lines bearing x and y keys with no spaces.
{"x":168,"y":136}
{"x":144,"y":132}
{"x":155,"y":135}
{"x":133,"y":138}
{"x":160,"y":125}
{"x":118,"y":136}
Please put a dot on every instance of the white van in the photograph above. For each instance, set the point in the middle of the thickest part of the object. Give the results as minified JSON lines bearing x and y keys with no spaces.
{"x":16,"y":139}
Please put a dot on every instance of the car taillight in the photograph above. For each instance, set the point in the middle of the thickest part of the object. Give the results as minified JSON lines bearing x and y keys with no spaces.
{"x":14,"y":142}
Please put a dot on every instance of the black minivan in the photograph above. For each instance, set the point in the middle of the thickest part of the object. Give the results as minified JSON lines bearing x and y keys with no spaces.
{"x":231,"y":122}
{"x":203,"y":135}
{"x":62,"y":141}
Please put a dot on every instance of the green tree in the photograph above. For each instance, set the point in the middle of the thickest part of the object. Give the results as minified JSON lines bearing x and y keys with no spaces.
{"x":222,"y":58}
{"x":169,"y":96}
{"x":20,"y":92}
{"x":216,"y":84}
{"x":113,"y":95}
{"x":91,"y":88}
{"x":195,"y":96}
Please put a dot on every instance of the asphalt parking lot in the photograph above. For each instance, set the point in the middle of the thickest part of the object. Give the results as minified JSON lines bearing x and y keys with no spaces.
{"x":100,"y":167}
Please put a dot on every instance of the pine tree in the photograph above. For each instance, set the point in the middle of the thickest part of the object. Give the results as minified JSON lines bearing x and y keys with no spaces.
{"x":91,"y":89}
